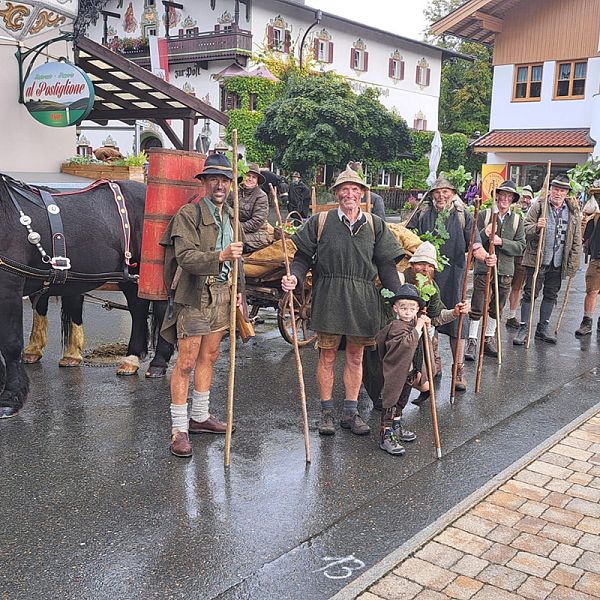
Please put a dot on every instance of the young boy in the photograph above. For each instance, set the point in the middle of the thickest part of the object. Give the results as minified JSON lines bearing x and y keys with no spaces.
{"x":399,"y":350}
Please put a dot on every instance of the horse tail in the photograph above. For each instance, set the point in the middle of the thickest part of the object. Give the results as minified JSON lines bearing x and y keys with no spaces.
{"x":2,"y":373}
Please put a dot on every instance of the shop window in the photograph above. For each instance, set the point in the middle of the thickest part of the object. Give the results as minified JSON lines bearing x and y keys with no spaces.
{"x":570,"y":79}
{"x":528,"y":82}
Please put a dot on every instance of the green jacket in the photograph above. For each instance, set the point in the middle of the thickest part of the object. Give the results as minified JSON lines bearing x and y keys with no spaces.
{"x":190,"y":244}
{"x":572,"y":251}
{"x":512,"y":232}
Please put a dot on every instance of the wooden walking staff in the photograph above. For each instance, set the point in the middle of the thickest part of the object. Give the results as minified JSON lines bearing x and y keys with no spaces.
{"x":564,"y":305}
{"x":497,"y":303}
{"x":232,"y":310}
{"x":294,"y":328}
{"x":463,"y":298}
{"x":486,"y":297}
{"x":540,"y":249}
{"x":429,"y":366}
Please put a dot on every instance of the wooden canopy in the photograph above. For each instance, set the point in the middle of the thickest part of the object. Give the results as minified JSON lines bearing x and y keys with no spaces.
{"x":127,"y":92}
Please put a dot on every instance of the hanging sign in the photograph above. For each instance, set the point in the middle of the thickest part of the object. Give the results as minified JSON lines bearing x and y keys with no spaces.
{"x":59,"y":94}
{"x":491,"y":177}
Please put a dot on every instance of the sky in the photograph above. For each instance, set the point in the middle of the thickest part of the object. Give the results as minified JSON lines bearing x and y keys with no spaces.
{"x":403,"y":17}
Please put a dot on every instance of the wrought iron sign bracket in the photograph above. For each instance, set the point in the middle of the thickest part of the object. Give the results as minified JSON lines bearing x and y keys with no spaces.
{"x":35,"y":51}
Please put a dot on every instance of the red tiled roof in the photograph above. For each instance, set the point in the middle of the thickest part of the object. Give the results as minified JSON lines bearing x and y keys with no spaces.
{"x":535,"y":138}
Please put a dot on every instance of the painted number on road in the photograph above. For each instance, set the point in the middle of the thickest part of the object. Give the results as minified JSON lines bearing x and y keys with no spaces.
{"x":341,"y":567}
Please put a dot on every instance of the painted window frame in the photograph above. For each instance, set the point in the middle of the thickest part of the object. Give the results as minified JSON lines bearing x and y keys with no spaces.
{"x":572,"y":63}
{"x":359,"y":60}
{"x":527,"y":97}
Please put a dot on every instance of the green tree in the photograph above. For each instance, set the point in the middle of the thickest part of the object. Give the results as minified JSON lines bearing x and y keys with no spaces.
{"x":466,"y":87}
{"x":319,"y":120}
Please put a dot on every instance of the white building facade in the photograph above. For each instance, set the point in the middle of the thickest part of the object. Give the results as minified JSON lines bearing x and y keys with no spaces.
{"x":204,"y":41}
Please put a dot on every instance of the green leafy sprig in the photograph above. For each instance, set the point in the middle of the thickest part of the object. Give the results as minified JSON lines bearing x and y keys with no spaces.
{"x":438,"y":238}
{"x":425,"y":288}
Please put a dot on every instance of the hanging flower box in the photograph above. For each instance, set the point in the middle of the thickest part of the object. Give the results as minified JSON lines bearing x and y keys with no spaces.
{"x":104,"y":171}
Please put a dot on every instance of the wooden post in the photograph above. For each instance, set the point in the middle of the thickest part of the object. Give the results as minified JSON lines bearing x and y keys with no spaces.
{"x":429,"y":366}
{"x":233,"y":304}
{"x":498,"y":319}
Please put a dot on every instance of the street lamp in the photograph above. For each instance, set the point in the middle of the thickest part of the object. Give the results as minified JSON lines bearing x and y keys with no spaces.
{"x":318,"y":17}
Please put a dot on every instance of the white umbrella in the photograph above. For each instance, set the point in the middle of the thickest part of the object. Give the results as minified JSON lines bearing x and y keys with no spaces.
{"x":434,"y":158}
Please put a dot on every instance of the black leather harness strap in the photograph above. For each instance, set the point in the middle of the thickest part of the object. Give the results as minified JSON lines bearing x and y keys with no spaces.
{"x":59,"y":262}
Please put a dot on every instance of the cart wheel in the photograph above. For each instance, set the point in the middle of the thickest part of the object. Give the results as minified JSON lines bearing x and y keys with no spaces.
{"x":302,"y":305}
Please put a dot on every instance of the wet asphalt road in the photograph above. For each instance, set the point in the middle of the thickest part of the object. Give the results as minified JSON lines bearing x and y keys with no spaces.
{"x":94,"y":506}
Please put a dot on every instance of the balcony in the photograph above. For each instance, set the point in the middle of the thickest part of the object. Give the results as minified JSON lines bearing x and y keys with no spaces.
{"x":199,"y":47}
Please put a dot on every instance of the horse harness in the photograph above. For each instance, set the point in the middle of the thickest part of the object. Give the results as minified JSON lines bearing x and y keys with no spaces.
{"x":59,"y":262}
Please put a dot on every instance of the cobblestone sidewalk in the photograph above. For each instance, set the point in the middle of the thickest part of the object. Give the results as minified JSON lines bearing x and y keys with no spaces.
{"x":536,"y":536}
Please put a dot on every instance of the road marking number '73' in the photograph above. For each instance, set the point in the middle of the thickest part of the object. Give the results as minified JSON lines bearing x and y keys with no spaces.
{"x":341,"y":567}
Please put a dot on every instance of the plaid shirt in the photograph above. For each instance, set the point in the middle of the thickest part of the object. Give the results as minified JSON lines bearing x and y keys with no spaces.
{"x":556,"y":235}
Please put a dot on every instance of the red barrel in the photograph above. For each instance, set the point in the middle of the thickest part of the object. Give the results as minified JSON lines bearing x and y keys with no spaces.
{"x":171,"y":184}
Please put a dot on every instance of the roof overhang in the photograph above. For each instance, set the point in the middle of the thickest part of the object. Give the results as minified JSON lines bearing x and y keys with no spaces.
{"x":547,"y":141}
{"x":476,"y":20}
{"x":127,"y":92}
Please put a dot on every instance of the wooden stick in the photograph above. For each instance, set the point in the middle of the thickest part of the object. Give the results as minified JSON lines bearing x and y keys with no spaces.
{"x":463,"y":298}
{"x":294,"y":329}
{"x":498,"y":316}
{"x":368,"y":200}
{"x":564,"y":305}
{"x":233,"y":303}
{"x":313,"y":200}
{"x":428,"y":364}
{"x":486,"y":298}
{"x":538,"y":259}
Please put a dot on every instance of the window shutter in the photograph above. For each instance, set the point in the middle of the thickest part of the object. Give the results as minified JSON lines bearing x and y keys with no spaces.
{"x":366,"y":62}
{"x":417,"y":79}
{"x":425,"y":125}
{"x":352,"y":57}
{"x":270,"y":36}
{"x":391,"y":67}
{"x":428,"y":76}
{"x":402,"y":69}
{"x":415,"y":122}
{"x":316,"y":49}
{"x":330,"y":57}
{"x":287,"y":44}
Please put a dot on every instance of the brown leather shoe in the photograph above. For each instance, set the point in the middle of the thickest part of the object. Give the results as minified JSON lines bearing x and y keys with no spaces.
{"x":461,"y":381}
{"x":211,"y":425}
{"x":180,"y":445}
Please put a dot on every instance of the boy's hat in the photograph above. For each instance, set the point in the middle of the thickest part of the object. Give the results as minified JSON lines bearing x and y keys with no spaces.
{"x":425,"y":253}
{"x":408,"y":291}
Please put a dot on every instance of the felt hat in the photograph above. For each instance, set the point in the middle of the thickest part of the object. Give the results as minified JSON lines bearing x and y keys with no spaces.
{"x":442,"y":183}
{"x":216,"y":164}
{"x":296,"y":174}
{"x":349,"y":175}
{"x":509,"y":186}
{"x":408,"y":291}
{"x":561,"y":181}
{"x":253,"y":168}
{"x":425,"y":253}
{"x":527,"y":191}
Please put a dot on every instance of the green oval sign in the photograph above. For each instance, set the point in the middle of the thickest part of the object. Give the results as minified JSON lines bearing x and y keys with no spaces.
{"x":59,"y":94}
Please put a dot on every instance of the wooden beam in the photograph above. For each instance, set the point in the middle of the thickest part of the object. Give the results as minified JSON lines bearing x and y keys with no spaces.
{"x":169,"y":133}
{"x":142,"y":113}
{"x":188,"y":134}
{"x":489,"y":22}
{"x":117,"y":61}
{"x":465,"y":11}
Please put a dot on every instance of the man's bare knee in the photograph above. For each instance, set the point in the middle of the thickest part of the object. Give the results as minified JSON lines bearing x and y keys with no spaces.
{"x":327,"y":357}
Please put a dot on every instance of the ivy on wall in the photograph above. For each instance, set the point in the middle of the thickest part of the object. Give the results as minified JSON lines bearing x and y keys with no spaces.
{"x":245,"y":120}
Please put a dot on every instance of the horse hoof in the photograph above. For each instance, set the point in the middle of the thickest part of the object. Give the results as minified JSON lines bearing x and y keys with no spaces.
{"x":6,"y":412}
{"x":69,"y":362}
{"x":156,"y":372}
{"x":126,"y":369}
{"x":31,"y":359}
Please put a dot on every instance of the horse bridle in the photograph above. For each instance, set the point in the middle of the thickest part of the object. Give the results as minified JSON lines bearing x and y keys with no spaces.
{"x":60,"y":264}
